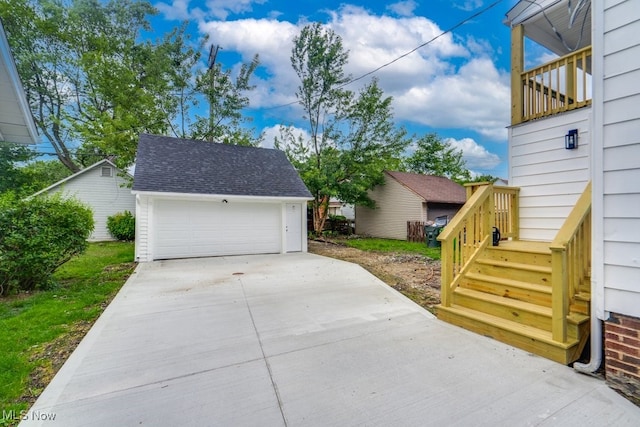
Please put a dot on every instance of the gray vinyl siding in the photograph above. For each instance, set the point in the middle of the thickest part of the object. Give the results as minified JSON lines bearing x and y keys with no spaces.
{"x":550,"y":177}
{"x":620,"y":154}
{"x":105,"y":195}
{"x":395,"y":205}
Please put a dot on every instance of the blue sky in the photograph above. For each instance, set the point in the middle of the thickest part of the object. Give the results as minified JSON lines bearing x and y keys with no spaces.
{"x":457,"y":86}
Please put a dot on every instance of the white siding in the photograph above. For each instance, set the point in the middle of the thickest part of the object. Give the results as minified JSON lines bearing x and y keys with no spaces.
{"x":186,"y":228}
{"x":106,"y":195}
{"x":395,"y":205}
{"x":550,"y":177}
{"x":617,"y":41}
{"x":143,"y":219}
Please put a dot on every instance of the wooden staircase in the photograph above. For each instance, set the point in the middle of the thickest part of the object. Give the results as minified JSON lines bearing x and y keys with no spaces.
{"x":532,"y":295}
{"x":506,"y":295}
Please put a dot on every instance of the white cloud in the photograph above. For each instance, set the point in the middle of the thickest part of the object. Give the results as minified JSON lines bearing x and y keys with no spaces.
{"x":475,"y":155}
{"x":469,"y":5}
{"x":476,"y":97}
{"x":219,"y":9}
{"x":444,"y":84}
{"x":403,"y":8}
{"x":270,"y":133}
{"x":177,"y":10}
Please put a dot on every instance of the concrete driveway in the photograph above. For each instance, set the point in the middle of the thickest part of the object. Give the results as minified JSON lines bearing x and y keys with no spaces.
{"x":301,"y":340}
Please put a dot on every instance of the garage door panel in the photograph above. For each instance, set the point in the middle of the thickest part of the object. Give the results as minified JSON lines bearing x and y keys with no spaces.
{"x":196,"y":229}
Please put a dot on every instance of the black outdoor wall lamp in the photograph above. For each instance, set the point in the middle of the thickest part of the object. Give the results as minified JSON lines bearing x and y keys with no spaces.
{"x":571,"y":139}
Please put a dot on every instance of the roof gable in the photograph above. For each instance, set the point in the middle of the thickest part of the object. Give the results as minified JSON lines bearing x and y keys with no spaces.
{"x":79,"y":174}
{"x":433,"y":189}
{"x":175,"y":165}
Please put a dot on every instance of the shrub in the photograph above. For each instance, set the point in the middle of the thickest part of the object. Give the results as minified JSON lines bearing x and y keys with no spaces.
{"x":37,"y":236}
{"x":122,"y":226}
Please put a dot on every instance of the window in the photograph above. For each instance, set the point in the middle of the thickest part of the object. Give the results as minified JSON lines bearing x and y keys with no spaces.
{"x":107,"y":171}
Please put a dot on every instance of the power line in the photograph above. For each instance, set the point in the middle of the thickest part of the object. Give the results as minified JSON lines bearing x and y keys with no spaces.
{"x":447,"y":31}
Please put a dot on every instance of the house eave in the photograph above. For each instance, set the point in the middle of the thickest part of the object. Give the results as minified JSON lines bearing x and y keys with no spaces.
{"x":220,"y":197}
{"x":547,"y":22}
{"x":28,"y":133}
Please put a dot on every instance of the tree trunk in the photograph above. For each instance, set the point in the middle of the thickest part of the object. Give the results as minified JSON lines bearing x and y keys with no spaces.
{"x":320,"y":210}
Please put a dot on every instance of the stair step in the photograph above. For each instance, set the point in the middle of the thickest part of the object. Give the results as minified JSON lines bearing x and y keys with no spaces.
{"x":521,"y":312}
{"x":583,"y":296}
{"x":581,"y":303}
{"x":509,"y":288}
{"x":539,"y":274}
{"x":525,"y":337}
{"x":516,"y":265}
{"x":531,"y":253}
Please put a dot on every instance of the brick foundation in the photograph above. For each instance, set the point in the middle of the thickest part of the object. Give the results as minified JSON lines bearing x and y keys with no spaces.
{"x":622,"y":355}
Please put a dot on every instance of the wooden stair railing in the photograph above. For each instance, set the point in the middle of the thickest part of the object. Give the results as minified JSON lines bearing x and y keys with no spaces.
{"x":506,"y":208}
{"x":570,"y":262}
{"x":464,"y":238}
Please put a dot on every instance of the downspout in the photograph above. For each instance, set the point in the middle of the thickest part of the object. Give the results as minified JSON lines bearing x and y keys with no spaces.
{"x":596,"y":120}
{"x":596,"y":345}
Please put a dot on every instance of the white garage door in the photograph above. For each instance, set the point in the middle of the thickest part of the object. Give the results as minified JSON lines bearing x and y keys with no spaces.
{"x":186,"y":229}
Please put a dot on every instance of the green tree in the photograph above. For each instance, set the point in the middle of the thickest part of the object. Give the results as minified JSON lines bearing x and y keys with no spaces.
{"x":227,"y":97}
{"x":484,"y":178}
{"x":95,"y":83}
{"x":352,"y":137}
{"x":12,"y":176}
{"x":42,"y":173}
{"x":432,"y":156}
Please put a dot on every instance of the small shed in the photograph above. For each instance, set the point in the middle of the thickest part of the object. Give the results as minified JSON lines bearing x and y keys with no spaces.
{"x":104,"y":188}
{"x":408,"y":197}
{"x":200,"y":199}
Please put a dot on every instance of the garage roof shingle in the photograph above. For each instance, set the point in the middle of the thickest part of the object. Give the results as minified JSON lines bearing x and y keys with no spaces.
{"x":175,"y":165}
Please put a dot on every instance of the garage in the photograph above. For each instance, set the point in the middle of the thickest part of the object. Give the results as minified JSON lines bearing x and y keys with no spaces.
{"x":186,"y":229}
{"x":200,"y":199}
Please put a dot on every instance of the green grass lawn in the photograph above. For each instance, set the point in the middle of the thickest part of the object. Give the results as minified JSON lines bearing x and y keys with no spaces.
{"x":31,"y":323}
{"x":390,"y":245}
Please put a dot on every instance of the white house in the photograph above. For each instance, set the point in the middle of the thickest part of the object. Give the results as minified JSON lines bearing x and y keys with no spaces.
{"x":104,"y":188}
{"x":574,"y":158}
{"x":16,"y":122}
{"x":198,"y":199}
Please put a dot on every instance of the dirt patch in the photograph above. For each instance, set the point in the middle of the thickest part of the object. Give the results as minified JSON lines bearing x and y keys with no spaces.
{"x":416,"y":276}
{"x":50,"y":357}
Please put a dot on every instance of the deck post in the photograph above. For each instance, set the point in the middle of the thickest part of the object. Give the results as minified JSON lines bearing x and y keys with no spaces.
{"x":517,"y":67}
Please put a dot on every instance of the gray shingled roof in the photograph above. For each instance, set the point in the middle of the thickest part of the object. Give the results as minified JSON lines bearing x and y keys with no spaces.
{"x":175,"y":165}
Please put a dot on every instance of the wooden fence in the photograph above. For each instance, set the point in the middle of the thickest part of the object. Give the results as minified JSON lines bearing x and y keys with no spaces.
{"x":415,"y":231}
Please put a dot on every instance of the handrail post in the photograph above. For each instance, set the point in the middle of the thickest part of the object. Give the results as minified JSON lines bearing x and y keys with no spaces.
{"x":446,"y":269}
{"x":559,"y":294}
{"x":515,"y":215}
{"x":489,"y":219}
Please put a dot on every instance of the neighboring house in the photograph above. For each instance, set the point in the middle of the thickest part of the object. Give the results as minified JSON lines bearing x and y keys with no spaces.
{"x":336,"y":207}
{"x":16,"y":122}
{"x":104,"y":188}
{"x":198,"y":199}
{"x":408,"y":197}
{"x":572,"y":261}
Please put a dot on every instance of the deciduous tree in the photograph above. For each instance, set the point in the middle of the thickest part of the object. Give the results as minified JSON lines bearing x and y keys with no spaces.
{"x":352,"y":136}
{"x":95,"y":79}
{"x":433,"y":156}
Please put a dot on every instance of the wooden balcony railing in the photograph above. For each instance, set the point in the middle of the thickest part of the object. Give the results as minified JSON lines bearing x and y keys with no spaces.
{"x":557,"y":86}
{"x":570,"y":262}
